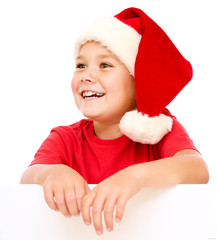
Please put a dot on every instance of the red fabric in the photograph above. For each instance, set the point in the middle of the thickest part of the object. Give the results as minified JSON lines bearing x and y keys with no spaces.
{"x":96,"y":159}
{"x":160,"y":70}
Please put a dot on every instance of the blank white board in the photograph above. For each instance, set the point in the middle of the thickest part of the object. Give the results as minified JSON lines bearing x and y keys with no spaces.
{"x":184,"y":212}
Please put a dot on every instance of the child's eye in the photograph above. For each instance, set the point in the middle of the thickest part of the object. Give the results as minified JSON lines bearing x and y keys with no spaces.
{"x":80,"y":65}
{"x":105,"y":65}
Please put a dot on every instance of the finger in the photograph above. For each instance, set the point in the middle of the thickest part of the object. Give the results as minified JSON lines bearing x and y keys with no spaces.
{"x":61,"y":204}
{"x":108,"y":212}
{"x":87,"y":188}
{"x":86,"y":203}
{"x":80,"y":192}
{"x":97,"y":208}
{"x":120,"y":207}
{"x":49,"y":198}
{"x":71,"y":201}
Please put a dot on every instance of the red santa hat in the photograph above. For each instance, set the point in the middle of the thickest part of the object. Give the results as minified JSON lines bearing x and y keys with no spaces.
{"x":159,"y":69}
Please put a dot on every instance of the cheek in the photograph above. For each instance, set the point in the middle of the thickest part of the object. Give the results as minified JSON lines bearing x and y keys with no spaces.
{"x":128,"y":86}
{"x":129,"y":93}
{"x":74,"y":88}
{"x":74,"y":83}
{"x":131,"y":86}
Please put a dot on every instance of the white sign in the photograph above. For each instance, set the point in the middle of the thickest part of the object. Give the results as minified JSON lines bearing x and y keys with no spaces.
{"x":184,"y":212}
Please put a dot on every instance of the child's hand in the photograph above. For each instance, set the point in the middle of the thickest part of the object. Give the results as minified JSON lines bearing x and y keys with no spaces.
{"x":113,"y":191}
{"x":64,"y":189}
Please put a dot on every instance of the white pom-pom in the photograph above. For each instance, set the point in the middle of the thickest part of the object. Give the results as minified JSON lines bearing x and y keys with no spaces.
{"x":145,"y":129}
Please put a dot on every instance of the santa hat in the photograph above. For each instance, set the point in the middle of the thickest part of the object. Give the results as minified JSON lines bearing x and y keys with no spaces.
{"x":159,"y":69}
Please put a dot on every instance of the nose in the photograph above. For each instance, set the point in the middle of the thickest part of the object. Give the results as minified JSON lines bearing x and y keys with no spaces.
{"x":88,"y":77}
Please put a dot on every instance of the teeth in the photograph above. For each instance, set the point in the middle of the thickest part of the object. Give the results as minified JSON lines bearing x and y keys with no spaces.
{"x":90,"y":94}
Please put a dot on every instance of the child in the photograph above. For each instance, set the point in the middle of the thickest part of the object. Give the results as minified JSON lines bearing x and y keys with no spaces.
{"x":123,"y":63}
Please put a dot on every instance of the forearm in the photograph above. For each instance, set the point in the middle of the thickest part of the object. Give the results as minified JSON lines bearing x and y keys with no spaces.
{"x":36,"y":174}
{"x":179,"y":169}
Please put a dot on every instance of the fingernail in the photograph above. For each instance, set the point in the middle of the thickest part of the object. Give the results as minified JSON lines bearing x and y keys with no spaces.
{"x":109,"y":229}
{"x":117,"y":219}
{"x":87,"y":222}
{"x":99,"y":232}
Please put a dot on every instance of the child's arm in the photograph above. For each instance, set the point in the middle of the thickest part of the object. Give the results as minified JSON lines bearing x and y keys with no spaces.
{"x":186,"y":166}
{"x":63,"y":187}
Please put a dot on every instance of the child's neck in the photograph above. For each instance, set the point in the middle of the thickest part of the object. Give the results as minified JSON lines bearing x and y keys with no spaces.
{"x":107,"y":130}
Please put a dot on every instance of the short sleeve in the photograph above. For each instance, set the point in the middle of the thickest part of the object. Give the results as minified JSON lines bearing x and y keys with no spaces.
{"x":176,"y":140}
{"x":51,"y":151}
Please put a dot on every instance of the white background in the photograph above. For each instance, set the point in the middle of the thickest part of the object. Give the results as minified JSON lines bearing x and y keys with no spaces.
{"x":36,"y":67}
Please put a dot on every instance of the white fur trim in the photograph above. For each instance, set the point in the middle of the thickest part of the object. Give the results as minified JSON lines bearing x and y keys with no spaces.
{"x":145,"y":129}
{"x":121,"y":39}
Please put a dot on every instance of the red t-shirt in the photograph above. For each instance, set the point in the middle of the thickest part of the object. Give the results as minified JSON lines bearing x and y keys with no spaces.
{"x":95,"y":159}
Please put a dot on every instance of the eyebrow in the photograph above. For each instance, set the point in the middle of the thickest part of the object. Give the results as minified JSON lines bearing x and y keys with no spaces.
{"x":105,"y":56}
{"x":101,"y":56}
{"x":80,"y":57}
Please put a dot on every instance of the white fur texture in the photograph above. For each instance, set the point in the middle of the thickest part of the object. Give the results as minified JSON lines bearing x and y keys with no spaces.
{"x":145,"y":129}
{"x":121,"y":39}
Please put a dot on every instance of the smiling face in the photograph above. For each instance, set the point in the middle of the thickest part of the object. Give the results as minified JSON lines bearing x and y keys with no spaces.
{"x":103,"y":88}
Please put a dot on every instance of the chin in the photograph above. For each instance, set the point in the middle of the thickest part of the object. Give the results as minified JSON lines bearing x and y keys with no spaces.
{"x":91,"y":116}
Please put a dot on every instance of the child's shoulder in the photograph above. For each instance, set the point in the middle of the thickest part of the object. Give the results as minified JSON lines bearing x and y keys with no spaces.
{"x":74,"y":128}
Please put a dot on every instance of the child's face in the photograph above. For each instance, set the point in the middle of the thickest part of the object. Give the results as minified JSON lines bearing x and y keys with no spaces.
{"x":102,"y":86}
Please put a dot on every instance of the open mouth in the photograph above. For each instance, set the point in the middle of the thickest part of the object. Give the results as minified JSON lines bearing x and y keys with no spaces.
{"x":90,"y":94}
